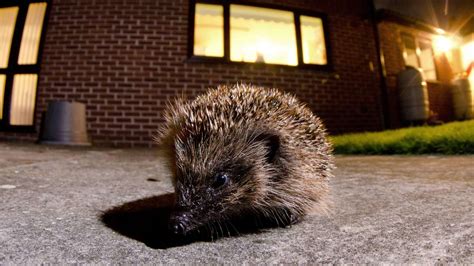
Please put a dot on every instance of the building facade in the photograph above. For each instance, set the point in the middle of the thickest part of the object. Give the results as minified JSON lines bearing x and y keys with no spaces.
{"x":126,"y":59}
{"x":440,"y":58}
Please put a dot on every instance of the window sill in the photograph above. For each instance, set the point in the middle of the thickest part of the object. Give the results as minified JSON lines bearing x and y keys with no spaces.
{"x":221,"y":60}
{"x":18,"y":129}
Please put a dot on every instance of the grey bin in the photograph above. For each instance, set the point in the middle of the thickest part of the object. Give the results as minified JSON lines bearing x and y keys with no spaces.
{"x":64,"y":123}
{"x":463,"y":99}
{"x":413,"y":96}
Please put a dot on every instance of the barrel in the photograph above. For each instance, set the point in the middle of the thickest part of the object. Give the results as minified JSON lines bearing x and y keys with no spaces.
{"x":64,"y":123}
{"x":463,"y":102}
{"x":413,"y":96}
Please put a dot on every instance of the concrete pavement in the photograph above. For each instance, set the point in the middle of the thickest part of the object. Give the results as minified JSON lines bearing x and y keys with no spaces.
{"x":61,"y":205}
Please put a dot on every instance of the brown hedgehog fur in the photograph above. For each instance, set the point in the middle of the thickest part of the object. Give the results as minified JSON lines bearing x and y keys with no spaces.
{"x":244,"y":149}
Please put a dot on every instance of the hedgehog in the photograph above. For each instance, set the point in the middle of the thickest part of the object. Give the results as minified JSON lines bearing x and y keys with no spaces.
{"x":243,"y":150}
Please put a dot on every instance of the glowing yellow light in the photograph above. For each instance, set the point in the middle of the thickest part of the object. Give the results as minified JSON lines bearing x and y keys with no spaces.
{"x":443,"y":44}
{"x":467,"y":51}
{"x":209,"y":30}
{"x":312,"y":35}
{"x":22,"y":108}
{"x":440,"y":31}
{"x":30,"y":39}
{"x":262,"y":35}
{"x":3,"y":79}
{"x":7,"y":26}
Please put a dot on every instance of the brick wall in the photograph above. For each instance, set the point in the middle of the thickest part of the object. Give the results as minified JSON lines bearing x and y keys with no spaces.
{"x":126,"y":59}
{"x":439,"y":93}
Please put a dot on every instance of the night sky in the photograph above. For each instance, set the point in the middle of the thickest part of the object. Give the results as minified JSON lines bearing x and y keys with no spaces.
{"x":454,"y":16}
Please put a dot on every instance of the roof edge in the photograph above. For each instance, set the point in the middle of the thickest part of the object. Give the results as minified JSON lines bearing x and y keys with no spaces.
{"x":390,"y":15}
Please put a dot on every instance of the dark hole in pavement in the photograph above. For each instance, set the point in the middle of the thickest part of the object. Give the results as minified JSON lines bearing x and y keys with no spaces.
{"x":146,"y":220}
{"x":152,"y":179}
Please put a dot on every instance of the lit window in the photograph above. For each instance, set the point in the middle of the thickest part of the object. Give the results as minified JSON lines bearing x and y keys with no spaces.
{"x":23,"y":99}
{"x":467,"y":51}
{"x":410,"y":51}
{"x":312,"y":35}
{"x":262,"y":35}
{"x":419,"y":54}
{"x":209,"y":30}
{"x":3,"y":79}
{"x":31,"y":34}
{"x":7,"y":26}
{"x":19,"y":60}
{"x":427,"y":60}
{"x":240,"y":33}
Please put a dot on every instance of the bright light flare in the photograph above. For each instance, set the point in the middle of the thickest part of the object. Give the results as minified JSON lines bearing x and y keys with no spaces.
{"x":443,"y":44}
{"x":440,"y":31}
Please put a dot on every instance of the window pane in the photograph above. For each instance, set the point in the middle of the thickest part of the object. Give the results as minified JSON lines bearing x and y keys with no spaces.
{"x":427,"y":60}
{"x":209,"y":30}
{"x":3,"y":79}
{"x":7,"y":26}
{"x":23,"y":99}
{"x":262,"y":35}
{"x":30,"y":39}
{"x":467,"y":51}
{"x":410,"y":51}
{"x":312,"y":36}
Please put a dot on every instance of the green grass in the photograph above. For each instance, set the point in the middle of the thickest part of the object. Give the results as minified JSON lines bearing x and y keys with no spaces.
{"x":451,"y":138}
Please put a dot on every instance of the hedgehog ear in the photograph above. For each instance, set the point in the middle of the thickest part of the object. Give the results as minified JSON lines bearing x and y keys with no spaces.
{"x":271,"y":142}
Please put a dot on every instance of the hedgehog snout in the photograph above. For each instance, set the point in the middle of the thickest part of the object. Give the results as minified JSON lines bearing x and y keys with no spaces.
{"x":179,"y":222}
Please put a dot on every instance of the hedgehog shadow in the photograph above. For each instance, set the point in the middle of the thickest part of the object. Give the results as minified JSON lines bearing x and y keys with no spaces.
{"x":146,"y":220}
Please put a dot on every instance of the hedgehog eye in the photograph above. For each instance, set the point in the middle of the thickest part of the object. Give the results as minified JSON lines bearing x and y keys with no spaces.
{"x":220,"y":180}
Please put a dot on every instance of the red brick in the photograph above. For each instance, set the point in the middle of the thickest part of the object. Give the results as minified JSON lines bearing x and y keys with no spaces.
{"x":126,"y":60}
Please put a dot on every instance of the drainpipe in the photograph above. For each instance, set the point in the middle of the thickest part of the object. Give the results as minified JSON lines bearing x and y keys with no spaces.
{"x":383,"y":85}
